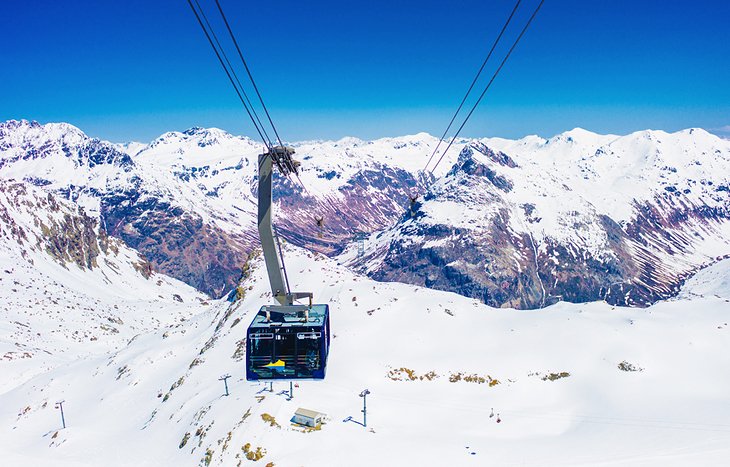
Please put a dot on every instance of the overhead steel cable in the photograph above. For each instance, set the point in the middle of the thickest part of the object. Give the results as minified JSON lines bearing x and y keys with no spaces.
{"x":228,"y":73}
{"x":233,"y":71}
{"x":474,"y":81}
{"x":255,"y":86}
{"x":240,"y":90}
{"x":494,"y":76}
{"x":240,"y":54}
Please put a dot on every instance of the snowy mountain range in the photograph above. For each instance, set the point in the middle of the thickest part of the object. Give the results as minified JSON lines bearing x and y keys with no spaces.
{"x":95,"y":237}
{"x":578,"y":217}
{"x":522,"y":223}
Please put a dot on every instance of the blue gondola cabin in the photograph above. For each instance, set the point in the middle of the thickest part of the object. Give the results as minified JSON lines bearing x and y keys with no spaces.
{"x":288,"y":342}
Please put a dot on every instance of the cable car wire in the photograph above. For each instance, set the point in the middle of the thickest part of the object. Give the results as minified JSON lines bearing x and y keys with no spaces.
{"x":248,"y":71}
{"x":494,"y":76}
{"x":474,"y":81}
{"x":233,"y":71}
{"x":228,"y":73}
{"x":260,"y":128}
{"x":256,"y":88}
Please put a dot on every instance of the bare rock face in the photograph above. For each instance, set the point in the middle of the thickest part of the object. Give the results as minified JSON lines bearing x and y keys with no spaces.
{"x":177,"y":243}
{"x":38,"y":221}
{"x":65,"y":232}
{"x":496,"y":266}
{"x":370,"y":200}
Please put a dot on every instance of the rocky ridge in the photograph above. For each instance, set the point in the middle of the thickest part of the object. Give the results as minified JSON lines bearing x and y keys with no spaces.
{"x":520,"y":223}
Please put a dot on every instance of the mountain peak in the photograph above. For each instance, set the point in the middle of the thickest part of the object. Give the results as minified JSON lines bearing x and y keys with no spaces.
{"x":577,"y":135}
{"x":16,"y":124}
{"x":698,"y":133}
{"x":53,"y":130}
{"x":200,"y":131}
{"x":193,"y":130}
{"x":20,"y":133}
{"x":578,"y":131}
{"x":204,"y":136}
{"x":349,"y":141}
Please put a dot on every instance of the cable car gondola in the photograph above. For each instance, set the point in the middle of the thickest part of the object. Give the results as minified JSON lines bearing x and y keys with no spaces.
{"x":288,"y":342}
{"x":284,"y":341}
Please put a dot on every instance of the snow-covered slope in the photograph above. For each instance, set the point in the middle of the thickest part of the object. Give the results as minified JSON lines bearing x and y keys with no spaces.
{"x":712,"y":281}
{"x":68,"y":290}
{"x":573,"y":384}
{"x":577,"y":217}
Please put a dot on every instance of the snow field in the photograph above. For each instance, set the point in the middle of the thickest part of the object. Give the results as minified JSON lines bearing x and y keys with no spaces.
{"x":670,"y":411}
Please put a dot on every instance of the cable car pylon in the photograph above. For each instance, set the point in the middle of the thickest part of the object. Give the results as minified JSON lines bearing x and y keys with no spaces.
{"x":285,"y":341}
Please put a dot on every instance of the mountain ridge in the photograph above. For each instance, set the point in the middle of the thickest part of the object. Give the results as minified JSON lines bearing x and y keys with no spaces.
{"x":641,"y":206}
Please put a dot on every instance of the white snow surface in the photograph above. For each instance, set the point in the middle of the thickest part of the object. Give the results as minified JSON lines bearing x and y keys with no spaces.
{"x":610,"y":171}
{"x":711,"y":281}
{"x":671,"y":410}
{"x":52,"y":314}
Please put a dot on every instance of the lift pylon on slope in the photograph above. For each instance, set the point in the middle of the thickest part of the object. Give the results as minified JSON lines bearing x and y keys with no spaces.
{"x":285,"y":341}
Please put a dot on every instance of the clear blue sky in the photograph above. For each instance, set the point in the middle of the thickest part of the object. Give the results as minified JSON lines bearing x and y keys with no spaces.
{"x":130,"y":70}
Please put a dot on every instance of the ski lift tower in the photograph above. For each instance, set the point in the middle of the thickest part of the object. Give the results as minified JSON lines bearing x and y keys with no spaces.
{"x":285,"y":341}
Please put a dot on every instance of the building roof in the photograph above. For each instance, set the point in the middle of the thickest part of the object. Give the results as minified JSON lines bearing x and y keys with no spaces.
{"x":308,"y":413}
